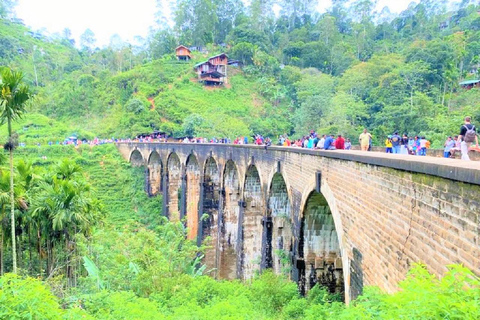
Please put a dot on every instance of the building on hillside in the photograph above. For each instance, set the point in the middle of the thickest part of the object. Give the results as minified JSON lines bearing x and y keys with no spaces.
{"x":198,"y":48}
{"x":213,"y":71}
{"x":183,"y":53}
{"x":235,"y":63}
{"x":469,"y":84}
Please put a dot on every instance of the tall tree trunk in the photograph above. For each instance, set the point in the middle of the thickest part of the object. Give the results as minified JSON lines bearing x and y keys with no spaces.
{"x":1,"y":251}
{"x":39,"y":244}
{"x":12,"y":198}
{"x":30,"y":263}
{"x":19,"y":252}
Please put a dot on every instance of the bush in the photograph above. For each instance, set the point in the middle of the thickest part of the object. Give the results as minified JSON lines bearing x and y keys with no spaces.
{"x":28,"y":298}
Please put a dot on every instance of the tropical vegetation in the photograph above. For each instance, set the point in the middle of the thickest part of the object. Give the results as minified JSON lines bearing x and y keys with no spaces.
{"x":79,"y":237}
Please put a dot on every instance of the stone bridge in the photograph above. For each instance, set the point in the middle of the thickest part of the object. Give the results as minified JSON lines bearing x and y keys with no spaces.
{"x":344,"y":219}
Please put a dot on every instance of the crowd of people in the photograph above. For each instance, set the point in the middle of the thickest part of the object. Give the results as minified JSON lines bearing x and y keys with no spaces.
{"x":417,"y":145}
{"x":315,"y":141}
{"x":462,"y":142}
{"x":395,"y":143}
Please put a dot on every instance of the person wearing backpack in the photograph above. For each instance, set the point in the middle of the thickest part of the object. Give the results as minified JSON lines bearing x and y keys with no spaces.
{"x":468,"y":135}
{"x":396,"y":142}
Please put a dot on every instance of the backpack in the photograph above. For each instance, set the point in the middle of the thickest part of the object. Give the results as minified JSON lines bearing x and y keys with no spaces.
{"x":470,"y":135}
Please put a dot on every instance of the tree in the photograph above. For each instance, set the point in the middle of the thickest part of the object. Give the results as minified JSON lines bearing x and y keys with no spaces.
{"x":228,"y":13}
{"x":13,"y":98}
{"x":6,"y":7}
{"x":195,"y":21}
{"x":87,"y":40}
{"x":261,"y":13}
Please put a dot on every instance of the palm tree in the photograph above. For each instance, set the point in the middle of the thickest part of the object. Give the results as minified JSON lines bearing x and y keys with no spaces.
{"x":20,"y":203}
{"x":13,"y":98}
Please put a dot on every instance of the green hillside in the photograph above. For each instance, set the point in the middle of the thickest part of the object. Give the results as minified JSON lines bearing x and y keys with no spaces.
{"x":335,"y":74}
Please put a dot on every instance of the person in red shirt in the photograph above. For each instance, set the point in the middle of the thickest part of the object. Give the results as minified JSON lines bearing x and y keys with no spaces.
{"x":340,"y":143}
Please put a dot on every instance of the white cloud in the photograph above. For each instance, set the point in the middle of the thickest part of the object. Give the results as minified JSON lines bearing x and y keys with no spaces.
{"x":107,"y":17}
{"x":103,"y":17}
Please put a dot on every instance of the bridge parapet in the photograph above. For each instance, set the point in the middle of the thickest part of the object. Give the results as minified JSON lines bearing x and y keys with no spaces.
{"x":346,"y":218}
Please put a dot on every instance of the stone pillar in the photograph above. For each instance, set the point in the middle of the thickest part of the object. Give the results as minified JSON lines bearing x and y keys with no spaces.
{"x":200,"y":211}
{"x":161,"y":186}
{"x":296,"y":243}
{"x":266,"y":243}
{"x":183,"y":197}
{"x":239,"y":245}
{"x":165,"y":198}
{"x":147,"y":180}
{"x":221,"y":194}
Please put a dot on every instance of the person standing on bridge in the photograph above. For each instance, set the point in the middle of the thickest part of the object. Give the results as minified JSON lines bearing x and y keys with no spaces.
{"x":396,"y":142}
{"x":364,"y":140}
{"x":468,"y":135}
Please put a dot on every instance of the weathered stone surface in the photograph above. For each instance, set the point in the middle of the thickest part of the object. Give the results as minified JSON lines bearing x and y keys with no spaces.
{"x":388,"y":211}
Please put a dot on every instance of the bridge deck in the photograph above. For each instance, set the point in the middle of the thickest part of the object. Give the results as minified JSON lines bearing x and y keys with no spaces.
{"x":454,"y":169}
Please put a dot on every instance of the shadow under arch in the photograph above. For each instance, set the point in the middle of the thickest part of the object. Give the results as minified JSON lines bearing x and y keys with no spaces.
{"x":321,"y":255}
{"x":229,"y":223}
{"x":251,"y":224}
{"x":211,"y":213}
{"x":211,"y":186}
{"x":154,"y":174}
{"x":277,"y":243}
{"x":136,"y":158}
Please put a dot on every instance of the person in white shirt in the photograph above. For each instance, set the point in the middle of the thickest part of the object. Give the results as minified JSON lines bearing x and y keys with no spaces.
{"x":321,"y":143}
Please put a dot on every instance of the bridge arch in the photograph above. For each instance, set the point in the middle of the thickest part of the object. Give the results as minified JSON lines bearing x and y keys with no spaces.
{"x":136,"y":158}
{"x":210,"y":206}
{"x":173,"y":186}
{"x":229,"y":224}
{"x":252,"y":231}
{"x":154,"y":173}
{"x":321,"y":240}
{"x":211,"y":186}
{"x":277,"y":225}
{"x":192,"y":192}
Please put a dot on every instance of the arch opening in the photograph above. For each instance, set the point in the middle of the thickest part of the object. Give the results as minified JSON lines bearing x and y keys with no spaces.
{"x":155,"y":173}
{"x":210,"y":200}
{"x":192,"y":195}
{"x":320,"y":260}
{"x":136,"y":158}
{"x":229,"y":223}
{"x":252,"y":224}
{"x":174,"y":180}
{"x":277,"y":227}
{"x":211,"y":185}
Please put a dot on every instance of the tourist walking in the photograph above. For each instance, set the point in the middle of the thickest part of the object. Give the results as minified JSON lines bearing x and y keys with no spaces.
{"x":404,"y":144}
{"x":423,"y":146}
{"x":388,"y":144}
{"x":396,"y":141}
{"x":468,"y":135}
{"x":364,"y":140}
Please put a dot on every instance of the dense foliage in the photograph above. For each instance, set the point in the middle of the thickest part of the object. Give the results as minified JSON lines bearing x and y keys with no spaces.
{"x":93,"y":241}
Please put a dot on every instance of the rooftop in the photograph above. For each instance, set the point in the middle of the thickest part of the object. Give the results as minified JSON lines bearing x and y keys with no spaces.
{"x":467,"y":82}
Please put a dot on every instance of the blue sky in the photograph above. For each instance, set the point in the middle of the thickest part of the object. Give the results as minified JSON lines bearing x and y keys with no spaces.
{"x":108,"y":17}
